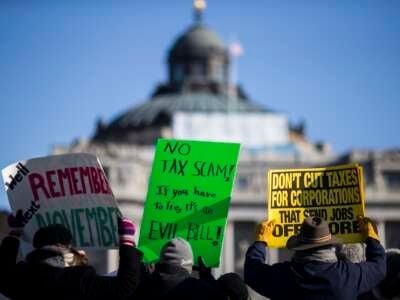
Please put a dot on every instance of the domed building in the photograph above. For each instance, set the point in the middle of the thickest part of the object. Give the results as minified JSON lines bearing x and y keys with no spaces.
{"x":198,"y":68}
{"x":200,"y":100}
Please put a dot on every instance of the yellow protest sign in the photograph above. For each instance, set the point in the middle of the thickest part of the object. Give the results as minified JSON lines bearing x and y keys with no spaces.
{"x":333,"y":193}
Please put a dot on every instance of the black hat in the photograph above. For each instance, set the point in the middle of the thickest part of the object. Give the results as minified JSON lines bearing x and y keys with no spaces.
{"x":314,"y":233}
{"x":52,"y":235}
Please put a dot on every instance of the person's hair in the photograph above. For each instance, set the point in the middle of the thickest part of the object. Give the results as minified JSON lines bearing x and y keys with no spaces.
{"x":80,"y":258}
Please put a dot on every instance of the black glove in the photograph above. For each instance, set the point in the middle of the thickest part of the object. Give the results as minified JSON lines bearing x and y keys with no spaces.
{"x":204,"y":271}
{"x":16,"y":223}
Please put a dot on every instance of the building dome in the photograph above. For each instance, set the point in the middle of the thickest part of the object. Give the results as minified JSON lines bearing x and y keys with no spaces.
{"x":159,"y":112}
{"x":198,"y":69}
{"x":162,"y":108}
{"x":198,"y":42}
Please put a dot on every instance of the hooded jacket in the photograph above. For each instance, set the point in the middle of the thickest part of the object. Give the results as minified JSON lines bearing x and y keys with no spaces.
{"x":44,"y":276}
{"x":314,"y":280}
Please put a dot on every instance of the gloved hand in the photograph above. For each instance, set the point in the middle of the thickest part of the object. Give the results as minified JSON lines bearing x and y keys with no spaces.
{"x":204,"y":271}
{"x":16,"y":223}
{"x":264,"y":231}
{"x":368,"y":228}
{"x":126,"y":231}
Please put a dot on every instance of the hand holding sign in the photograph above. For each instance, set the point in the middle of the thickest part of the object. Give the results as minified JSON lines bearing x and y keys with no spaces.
{"x":368,"y":228}
{"x":16,"y":223}
{"x":204,"y":271}
{"x":126,"y":231}
{"x":264,"y":231}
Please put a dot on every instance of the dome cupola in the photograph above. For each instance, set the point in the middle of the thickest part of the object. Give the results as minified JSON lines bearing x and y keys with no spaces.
{"x":198,"y":59}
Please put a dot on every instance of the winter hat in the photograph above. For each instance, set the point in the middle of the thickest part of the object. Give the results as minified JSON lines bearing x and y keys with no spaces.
{"x":177,"y":252}
{"x":52,"y":235}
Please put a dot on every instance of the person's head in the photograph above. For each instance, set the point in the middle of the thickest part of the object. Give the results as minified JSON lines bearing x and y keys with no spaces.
{"x":177,"y":252}
{"x":314,"y":234}
{"x":52,"y":235}
{"x":389,"y":287}
{"x":53,"y":247}
{"x":233,"y":286}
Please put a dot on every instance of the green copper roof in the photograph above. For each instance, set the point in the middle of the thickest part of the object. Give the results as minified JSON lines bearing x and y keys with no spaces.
{"x":166,"y":105}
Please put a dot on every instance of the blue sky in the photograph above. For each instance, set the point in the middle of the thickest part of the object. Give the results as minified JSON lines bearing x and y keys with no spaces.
{"x":63,"y":64}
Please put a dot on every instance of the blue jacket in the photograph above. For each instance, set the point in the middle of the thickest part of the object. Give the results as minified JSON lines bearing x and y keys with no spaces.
{"x":314,"y":280}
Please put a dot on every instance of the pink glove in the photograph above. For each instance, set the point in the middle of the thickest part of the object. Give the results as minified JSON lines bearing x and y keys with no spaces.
{"x":126,"y":231}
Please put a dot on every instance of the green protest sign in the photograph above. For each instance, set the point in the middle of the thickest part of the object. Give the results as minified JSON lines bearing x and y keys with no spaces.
{"x":188,"y":196}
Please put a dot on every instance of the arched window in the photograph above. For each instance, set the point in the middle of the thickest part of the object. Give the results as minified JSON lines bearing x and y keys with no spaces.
{"x":217,"y":72}
{"x":197,"y":70}
{"x":178,"y":73}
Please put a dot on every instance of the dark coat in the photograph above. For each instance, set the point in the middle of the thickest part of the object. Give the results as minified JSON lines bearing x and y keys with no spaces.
{"x":170,"y":282}
{"x":33,"y":279}
{"x":314,"y":280}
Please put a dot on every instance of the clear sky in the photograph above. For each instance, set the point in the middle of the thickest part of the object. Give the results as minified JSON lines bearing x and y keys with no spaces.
{"x":63,"y":64}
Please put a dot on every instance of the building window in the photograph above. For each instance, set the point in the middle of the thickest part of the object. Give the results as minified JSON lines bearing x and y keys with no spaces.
{"x":368,"y":174}
{"x":392,"y":232}
{"x":197,"y":71}
{"x":218,"y":73}
{"x":178,"y":73}
{"x":242,"y":182}
{"x":392,"y":179}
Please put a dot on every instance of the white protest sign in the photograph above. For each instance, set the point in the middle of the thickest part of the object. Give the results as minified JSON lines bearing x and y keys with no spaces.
{"x":69,"y":189}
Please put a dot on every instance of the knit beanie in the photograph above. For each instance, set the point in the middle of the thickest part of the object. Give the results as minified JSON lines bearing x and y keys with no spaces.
{"x":52,"y":235}
{"x":177,"y":252}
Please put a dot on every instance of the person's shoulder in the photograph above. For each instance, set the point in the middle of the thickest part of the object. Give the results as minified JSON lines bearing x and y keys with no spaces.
{"x":346,"y":265}
{"x":341,"y":270}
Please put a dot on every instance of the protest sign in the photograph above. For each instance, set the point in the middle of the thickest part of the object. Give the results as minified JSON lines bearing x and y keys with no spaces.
{"x":67,"y":189}
{"x":333,"y":193}
{"x":188,"y":196}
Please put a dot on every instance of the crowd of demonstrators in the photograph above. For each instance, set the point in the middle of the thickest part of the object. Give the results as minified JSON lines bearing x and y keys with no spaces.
{"x":321,"y":268}
{"x":54,"y":270}
{"x":172,"y":278}
{"x":314,"y":272}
